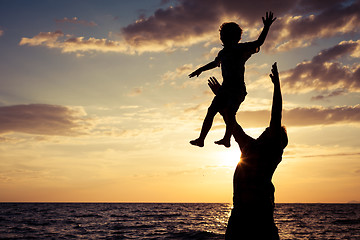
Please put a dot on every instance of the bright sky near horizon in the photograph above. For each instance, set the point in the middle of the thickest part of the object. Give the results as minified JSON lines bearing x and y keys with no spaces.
{"x":96,"y":103}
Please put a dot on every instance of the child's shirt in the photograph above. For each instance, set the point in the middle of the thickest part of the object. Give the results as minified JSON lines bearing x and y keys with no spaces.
{"x":232,"y":60}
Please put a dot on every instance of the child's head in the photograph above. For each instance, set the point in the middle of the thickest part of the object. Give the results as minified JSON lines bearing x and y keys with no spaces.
{"x":230,"y":33}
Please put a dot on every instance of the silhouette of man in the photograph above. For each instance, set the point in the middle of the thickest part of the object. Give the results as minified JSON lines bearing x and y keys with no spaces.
{"x":253,"y":200}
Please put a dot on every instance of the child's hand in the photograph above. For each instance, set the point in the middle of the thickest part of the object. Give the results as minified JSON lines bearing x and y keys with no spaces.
{"x":195,"y":73}
{"x":274,"y":74}
{"x":269,"y":19}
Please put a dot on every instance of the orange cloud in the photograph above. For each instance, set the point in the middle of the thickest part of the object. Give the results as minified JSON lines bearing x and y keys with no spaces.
{"x":75,"y":44}
{"x":48,"y":39}
{"x":43,"y":119}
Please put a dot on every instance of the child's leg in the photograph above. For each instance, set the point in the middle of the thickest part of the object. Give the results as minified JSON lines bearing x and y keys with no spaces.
{"x":229,"y":118}
{"x":205,"y":127}
{"x":229,"y":115}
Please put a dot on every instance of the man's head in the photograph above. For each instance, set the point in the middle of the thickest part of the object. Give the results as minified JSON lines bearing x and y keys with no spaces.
{"x":267,"y":137}
{"x":230,"y":33}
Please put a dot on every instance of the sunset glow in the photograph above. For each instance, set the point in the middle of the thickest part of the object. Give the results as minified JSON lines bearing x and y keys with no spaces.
{"x":96,"y":104}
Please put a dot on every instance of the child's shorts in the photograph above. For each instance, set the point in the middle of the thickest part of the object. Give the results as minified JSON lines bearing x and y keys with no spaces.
{"x":228,"y":99}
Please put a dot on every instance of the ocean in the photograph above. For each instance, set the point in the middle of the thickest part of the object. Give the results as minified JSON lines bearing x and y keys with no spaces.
{"x":167,"y":221}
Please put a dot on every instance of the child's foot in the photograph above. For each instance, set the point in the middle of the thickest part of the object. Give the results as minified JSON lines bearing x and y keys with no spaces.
{"x":223,"y":142}
{"x":197,"y":142}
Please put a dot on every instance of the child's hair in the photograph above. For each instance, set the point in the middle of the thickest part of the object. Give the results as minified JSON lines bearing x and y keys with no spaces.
{"x":230,"y":32}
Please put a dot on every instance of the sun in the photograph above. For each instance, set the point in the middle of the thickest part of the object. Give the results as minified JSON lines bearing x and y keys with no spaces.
{"x":230,"y":157}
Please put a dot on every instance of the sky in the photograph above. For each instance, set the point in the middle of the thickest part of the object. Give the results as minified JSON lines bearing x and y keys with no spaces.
{"x":96,"y":104}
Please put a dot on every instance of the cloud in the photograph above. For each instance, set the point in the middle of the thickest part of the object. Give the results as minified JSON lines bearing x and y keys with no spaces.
{"x":292,"y":31}
{"x":75,"y":20}
{"x":1,"y":32}
{"x":323,"y":72}
{"x":43,"y":119}
{"x":48,"y":39}
{"x":212,"y":53}
{"x":179,"y":72}
{"x":322,"y":116}
{"x":178,"y":78}
{"x":75,"y":44}
{"x":187,"y":23}
{"x":329,"y":95}
{"x":190,"y":22}
{"x":303,"y":116}
{"x":196,"y":108}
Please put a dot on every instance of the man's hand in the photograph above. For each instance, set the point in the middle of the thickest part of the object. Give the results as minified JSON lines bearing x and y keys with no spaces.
{"x":269,"y":19}
{"x":275,"y":74}
{"x":214,"y":85}
{"x":195,"y":73}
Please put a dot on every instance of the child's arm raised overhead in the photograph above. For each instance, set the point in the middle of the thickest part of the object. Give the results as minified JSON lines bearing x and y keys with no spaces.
{"x":206,"y":67}
{"x":267,"y":23}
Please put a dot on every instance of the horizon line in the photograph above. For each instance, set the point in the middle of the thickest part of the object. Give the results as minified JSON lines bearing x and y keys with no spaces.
{"x":139,"y":202}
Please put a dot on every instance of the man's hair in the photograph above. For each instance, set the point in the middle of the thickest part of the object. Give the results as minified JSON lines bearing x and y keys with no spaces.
{"x":284,"y":137}
{"x":265,"y":136}
{"x":230,"y":32}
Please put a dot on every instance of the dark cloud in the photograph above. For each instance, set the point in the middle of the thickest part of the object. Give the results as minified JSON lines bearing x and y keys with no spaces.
{"x":304,"y":6}
{"x":299,"y":22}
{"x":189,"y":22}
{"x":303,"y":116}
{"x":323,"y":72}
{"x":322,"y":116}
{"x":183,"y":24}
{"x":43,"y":119}
{"x":318,"y":19}
{"x":329,"y":95}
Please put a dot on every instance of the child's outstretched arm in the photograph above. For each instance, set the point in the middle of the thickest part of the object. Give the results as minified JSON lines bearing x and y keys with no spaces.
{"x":208,"y":66}
{"x":268,"y":20}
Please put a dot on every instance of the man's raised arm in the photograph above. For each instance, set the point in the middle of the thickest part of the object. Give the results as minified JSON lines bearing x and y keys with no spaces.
{"x":276,"y":109}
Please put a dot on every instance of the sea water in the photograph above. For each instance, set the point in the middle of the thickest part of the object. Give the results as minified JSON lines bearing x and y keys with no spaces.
{"x":167,"y":221}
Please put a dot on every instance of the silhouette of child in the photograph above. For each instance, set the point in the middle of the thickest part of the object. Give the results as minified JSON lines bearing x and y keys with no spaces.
{"x":232,"y":60}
